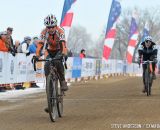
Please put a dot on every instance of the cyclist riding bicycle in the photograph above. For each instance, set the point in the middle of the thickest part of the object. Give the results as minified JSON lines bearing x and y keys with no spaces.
{"x":148,"y":51}
{"x":55,"y":47}
{"x":54,"y":38}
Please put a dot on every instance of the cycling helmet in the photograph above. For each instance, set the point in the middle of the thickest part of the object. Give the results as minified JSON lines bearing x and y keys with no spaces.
{"x":148,"y":38}
{"x":27,"y":38}
{"x":50,"y":20}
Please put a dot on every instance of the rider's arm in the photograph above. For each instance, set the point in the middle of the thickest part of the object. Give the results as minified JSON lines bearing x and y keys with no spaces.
{"x":140,"y":49}
{"x":62,"y":42}
{"x":41,"y":42}
{"x":155,"y":50}
{"x":39,"y":48}
{"x":63,"y":47}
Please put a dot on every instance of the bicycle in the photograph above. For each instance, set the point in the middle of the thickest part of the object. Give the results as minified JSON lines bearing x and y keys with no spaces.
{"x":148,"y":76}
{"x":54,"y":93}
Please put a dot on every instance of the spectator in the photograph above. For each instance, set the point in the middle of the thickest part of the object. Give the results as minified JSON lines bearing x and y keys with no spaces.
{"x":10,"y":40}
{"x":4,"y":48}
{"x":24,"y":46}
{"x":3,"y":44}
{"x":33,"y":46}
{"x":82,"y":54}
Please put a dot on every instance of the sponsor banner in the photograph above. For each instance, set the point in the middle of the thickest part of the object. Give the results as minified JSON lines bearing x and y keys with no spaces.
{"x":76,"y":68}
{"x":21,"y":67}
{"x":113,"y":66}
{"x":3,"y":64}
{"x":137,"y":69}
{"x":88,"y":67}
{"x":98,"y":66}
{"x":31,"y":74}
{"x":119,"y":66}
{"x":40,"y":71}
{"x":11,"y":70}
{"x":105,"y":67}
{"x":130,"y":68}
{"x":68,"y":71}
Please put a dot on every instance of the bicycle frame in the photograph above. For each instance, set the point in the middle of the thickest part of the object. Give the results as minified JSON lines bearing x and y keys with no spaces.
{"x":54,"y":93}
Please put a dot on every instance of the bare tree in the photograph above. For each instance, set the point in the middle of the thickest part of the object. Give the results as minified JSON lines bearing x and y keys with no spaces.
{"x":123,"y":27}
{"x":79,"y":38}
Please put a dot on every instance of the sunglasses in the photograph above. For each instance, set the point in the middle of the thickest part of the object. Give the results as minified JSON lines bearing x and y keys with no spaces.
{"x":148,"y":41}
{"x":49,"y":27}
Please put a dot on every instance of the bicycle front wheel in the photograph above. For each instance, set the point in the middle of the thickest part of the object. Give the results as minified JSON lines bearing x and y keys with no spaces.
{"x":147,"y":81}
{"x":52,"y":97}
{"x":60,"y":99}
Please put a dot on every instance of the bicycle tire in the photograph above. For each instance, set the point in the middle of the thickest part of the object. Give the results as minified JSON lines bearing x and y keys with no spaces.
{"x":150,"y":84}
{"x":147,"y":81}
{"x":51,"y":98}
{"x":60,"y":100}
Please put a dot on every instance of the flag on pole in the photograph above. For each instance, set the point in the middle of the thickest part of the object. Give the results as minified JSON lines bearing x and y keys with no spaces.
{"x":145,"y":31}
{"x":133,"y":37}
{"x":67,"y":15}
{"x":111,"y":28}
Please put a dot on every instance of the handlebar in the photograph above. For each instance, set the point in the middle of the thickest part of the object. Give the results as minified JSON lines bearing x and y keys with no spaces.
{"x":147,"y":61}
{"x":50,"y":59}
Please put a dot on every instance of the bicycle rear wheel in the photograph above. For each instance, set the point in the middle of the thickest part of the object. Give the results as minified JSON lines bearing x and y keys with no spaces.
{"x":52,"y":97}
{"x":60,"y":99}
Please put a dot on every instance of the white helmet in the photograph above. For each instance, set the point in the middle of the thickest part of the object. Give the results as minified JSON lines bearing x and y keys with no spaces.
{"x":27,"y":38}
{"x":50,"y":20}
{"x":148,"y":38}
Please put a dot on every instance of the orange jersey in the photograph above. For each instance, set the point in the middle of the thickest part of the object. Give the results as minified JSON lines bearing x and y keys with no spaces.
{"x":3,"y":46}
{"x":53,"y":40}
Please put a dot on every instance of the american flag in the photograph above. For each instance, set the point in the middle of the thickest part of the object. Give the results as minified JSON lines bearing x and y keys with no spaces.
{"x":67,"y":15}
{"x":145,"y":31}
{"x":133,"y":37}
{"x":111,"y":28}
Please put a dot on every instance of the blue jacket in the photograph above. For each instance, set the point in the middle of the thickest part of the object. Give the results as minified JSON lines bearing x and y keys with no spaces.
{"x":32,"y":48}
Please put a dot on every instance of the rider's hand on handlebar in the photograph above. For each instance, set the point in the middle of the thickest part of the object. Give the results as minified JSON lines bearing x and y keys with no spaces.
{"x":155,"y":60}
{"x":35,"y":58}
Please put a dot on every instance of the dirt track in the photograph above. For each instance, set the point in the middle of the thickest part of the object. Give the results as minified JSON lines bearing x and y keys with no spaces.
{"x":96,"y":105}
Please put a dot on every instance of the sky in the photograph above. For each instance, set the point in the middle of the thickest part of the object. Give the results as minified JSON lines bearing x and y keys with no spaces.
{"x":26,"y":16}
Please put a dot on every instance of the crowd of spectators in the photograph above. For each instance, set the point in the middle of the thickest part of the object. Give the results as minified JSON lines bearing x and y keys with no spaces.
{"x":27,"y":46}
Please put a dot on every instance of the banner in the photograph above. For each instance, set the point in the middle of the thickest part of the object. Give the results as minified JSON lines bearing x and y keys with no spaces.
{"x":133,"y":37}
{"x":76,"y":69}
{"x":11,"y":68}
{"x":111,"y":28}
{"x":88,"y":67}
{"x":68,"y":71}
{"x":31,"y":74}
{"x":98,"y":66}
{"x":21,"y":68}
{"x":67,"y":16}
{"x":3,"y":65}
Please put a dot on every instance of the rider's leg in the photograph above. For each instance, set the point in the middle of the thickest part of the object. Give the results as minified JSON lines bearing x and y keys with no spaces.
{"x":153,"y":57}
{"x":153,"y":68}
{"x":60,"y":69}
